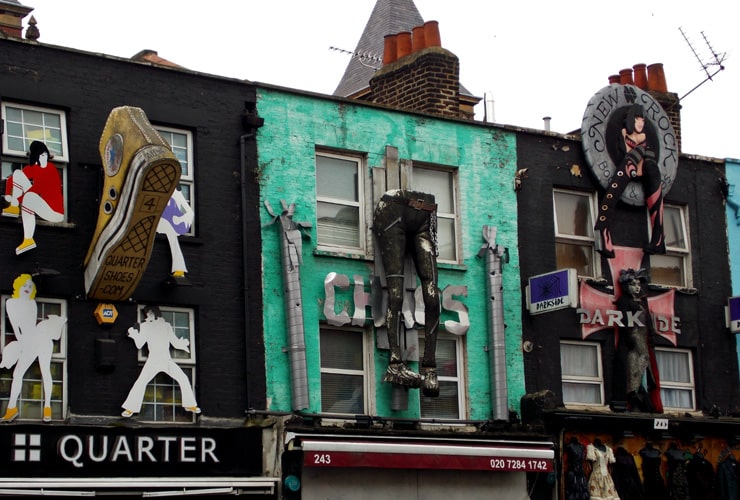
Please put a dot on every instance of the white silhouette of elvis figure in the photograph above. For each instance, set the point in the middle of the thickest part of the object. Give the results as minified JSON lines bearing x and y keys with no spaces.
{"x":33,"y":341}
{"x":176,"y":220}
{"x":158,"y":335}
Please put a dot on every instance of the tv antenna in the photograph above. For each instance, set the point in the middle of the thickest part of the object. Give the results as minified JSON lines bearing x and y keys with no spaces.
{"x":366,"y":58}
{"x":711,"y":66}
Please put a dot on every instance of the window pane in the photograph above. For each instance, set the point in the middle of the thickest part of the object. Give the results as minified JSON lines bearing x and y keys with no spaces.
{"x":436,"y":182}
{"x":667,"y":270}
{"x":581,"y":393}
{"x":447,"y":404}
{"x":162,"y":400}
{"x":342,"y":393}
{"x":573,"y":215}
{"x":341,"y":350}
{"x":579,"y":257}
{"x":337,"y":178}
{"x":578,"y":361}
{"x":446,"y":239}
{"x":673,"y":366}
{"x":446,"y":357}
{"x":676,"y":398}
{"x":581,"y":373}
{"x":673,"y":228}
{"x":443,"y":406}
{"x":338,"y":224}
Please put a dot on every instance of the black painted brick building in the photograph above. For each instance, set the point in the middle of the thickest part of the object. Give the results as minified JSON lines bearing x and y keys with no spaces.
{"x":229,"y":346}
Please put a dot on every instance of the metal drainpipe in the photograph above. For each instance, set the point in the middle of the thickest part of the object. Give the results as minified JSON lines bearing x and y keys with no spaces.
{"x":497,"y":349}
{"x":291,"y":248}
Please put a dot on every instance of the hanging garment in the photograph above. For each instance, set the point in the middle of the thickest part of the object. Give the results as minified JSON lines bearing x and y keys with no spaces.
{"x":678,"y":483}
{"x":727,"y":485}
{"x":576,"y":483}
{"x":600,"y":483}
{"x":626,"y":477}
{"x":700,"y":474}
{"x":653,"y":483}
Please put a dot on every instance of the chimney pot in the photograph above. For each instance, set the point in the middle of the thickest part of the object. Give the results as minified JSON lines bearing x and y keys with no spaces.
{"x":614,"y":79}
{"x":656,"y":78}
{"x":431,"y":34}
{"x":403,"y":44}
{"x":641,"y":79}
{"x":389,"y":49}
{"x":625,"y":76}
{"x":547,"y":119}
{"x":417,"y":39}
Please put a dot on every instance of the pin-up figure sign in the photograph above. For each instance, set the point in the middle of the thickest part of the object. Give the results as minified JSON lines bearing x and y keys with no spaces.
{"x":35,"y":189}
{"x":632,"y":149}
{"x":33,"y":341}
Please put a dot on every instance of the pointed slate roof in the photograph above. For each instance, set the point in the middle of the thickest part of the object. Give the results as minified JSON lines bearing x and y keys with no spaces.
{"x":388,"y":18}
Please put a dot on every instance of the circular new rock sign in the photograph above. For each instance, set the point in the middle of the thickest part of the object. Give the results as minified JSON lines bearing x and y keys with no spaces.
{"x":601,"y":133}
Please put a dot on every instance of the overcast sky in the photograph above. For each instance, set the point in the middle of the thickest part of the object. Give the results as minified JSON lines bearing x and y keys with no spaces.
{"x":536,"y":58}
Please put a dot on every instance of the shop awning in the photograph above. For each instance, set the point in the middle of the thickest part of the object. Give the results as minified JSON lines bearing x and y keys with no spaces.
{"x":503,"y":457}
{"x":142,"y":486}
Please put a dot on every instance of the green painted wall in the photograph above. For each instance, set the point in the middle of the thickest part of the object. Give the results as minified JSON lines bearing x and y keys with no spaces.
{"x":295,"y":125}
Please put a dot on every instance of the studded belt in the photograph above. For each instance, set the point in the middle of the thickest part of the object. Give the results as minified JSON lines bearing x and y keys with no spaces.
{"x":416,"y":204}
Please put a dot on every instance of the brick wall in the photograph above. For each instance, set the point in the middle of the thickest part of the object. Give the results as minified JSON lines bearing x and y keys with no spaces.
{"x":426,"y":81}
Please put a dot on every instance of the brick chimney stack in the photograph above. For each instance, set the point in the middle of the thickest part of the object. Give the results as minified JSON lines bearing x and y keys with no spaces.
{"x":419,"y":75}
{"x":651,"y":78}
{"x":11,"y":19}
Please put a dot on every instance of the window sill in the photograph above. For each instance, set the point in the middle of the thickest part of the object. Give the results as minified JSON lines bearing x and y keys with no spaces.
{"x":680,"y":289}
{"x":340,"y":253}
{"x":586,"y":407}
{"x":349,"y":254}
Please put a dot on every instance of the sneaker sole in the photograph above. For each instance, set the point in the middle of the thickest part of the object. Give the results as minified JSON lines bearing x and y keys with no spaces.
{"x":141,"y":175}
{"x":123,"y":248}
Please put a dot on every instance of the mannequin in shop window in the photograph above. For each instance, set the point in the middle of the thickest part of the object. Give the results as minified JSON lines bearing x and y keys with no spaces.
{"x":600,"y":483}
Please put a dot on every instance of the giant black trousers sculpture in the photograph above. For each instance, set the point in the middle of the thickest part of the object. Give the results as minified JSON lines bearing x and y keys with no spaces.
{"x":405,"y":225}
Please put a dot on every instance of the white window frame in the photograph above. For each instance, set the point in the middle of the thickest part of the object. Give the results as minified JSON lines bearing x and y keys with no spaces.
{"x":185,"y":360}
{"x":588,"y":240}
{"x":59,"y":156}
{"x":459,"y":380}
{"x":680,"y":386}
{"x":361,"y":161}
{"x":367,"y":372}
{"x":453,"y":216}
{"x":58,"y":357}
{"x":14,"y":158}
{"x":683,"y":253}
{"x":597,"y":380}
{"x":186,"y":158}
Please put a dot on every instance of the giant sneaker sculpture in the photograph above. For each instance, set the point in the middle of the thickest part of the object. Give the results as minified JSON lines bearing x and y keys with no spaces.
{"x":141,"y":173}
